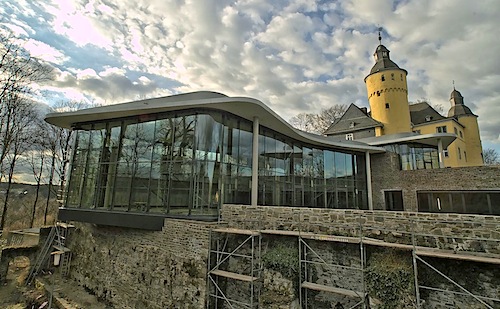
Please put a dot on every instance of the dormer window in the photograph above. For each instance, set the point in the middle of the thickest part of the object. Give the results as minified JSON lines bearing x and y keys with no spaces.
{"x":352,"y":124}
{"x":428,"y":118}
{"x":441,"y":129}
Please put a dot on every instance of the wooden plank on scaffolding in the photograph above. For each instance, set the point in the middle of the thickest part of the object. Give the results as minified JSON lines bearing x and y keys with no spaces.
{"x":381,"y":243}
{"x":281,"y":232}
{"x":314,"y":236}
{"x":61,"y":248}
{"x":231,"y":275}
{"x":439,"y":253}
{"x":331,"y":289}
{"x":334,"y":238}
{"x":236,"y":231}
{"x":449,"y":254}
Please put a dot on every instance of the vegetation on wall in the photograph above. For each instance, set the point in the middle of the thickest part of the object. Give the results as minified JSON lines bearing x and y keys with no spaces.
{"x":474,"y":277}
{"x":389,"y":278}
{"x":283,"y":259}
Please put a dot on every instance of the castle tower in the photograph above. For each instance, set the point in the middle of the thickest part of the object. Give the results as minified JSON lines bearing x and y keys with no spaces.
{"x":388,"y":94}
{"x":473,"y":149}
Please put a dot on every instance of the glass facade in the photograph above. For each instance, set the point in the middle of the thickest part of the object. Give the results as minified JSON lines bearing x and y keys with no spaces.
{"x":470,"y":202}
{"x":189,"y":163}
{"x":415,"y":156}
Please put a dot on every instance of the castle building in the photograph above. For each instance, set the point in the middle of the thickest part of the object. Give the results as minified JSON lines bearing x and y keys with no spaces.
{"x":393,"y":122}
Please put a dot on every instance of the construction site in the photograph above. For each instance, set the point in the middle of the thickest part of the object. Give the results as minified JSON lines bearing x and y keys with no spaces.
{"x":212,"y":201}
{"x":275,"y":257}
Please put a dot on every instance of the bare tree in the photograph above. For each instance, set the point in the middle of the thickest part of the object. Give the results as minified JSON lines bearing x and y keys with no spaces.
{"x":59,"y":147}
{"x":438,"y":107}
{"x":16,"y":134}
{"x":36,"y":159}
{"x":304,"y":122}
{"x":18,"y":69}
{"x":318,"y":123}
{"x":491,"y":156}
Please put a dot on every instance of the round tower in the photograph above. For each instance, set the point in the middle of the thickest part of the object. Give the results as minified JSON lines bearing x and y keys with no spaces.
{"x":388,"y":94}
{"x":473,"y":151}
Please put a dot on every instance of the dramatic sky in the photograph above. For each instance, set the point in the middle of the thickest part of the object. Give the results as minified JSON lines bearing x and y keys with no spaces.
{"x":296,"y":56}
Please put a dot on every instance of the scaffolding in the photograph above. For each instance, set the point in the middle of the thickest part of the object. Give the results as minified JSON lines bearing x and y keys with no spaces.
{"x":55,"y":245}
{"x":408,"y":240}
{"x":220,"y":273}
{"x":308,"y":257}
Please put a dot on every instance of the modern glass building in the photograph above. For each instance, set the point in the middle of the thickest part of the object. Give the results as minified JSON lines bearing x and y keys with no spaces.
{"x":184,"y":156}
{"x":415,"y":151}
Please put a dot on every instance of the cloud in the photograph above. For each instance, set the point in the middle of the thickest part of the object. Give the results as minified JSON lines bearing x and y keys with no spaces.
{"x":297,"y":56}
{"x":108,"y":86}
{"x":45,"y":52}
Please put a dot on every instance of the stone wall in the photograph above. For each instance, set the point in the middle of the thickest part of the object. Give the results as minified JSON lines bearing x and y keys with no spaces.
{"x":131,"y":268}
{"x":389,"y":271}
{"x":29,"y":247}
{"x":386,"y":175}
{"x":458,"y":232}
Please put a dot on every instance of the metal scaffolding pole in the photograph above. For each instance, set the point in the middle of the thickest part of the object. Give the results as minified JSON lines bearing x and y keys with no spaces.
{"x":217,"y":269}
{"x":410,"y":238}
{"x":304,"y":250}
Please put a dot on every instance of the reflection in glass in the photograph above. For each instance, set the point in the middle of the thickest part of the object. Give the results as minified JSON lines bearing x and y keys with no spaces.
{"x":190,"y":163}
{"x":415,"y":156}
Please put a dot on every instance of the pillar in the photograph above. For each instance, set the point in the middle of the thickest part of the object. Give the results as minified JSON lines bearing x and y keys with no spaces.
{"x":255,"y":162}
{"x":369,"y":180}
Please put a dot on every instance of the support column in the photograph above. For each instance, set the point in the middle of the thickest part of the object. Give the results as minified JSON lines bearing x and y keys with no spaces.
{"x":440,"y":153}
{"x":255,"y":161}
{"x":369,"y":180}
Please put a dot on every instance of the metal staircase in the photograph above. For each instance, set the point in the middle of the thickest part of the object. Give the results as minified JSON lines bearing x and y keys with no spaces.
{"x":54,"y":244}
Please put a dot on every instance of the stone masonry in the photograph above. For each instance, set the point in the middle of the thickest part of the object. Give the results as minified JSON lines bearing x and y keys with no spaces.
{"x":454,"y":232}
{"x":386,"y":175}
{"x":131,"y":268}
{"x":458,"y":232}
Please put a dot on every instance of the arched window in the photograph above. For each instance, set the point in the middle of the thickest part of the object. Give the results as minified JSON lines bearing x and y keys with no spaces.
{"x":383,"y":77}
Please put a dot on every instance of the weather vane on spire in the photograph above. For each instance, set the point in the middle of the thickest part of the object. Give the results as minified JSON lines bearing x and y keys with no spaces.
{"x":379,"y":36}
{"x":454,"y":85}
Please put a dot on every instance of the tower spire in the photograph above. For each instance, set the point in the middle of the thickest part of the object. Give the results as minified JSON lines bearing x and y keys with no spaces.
{"x":379,"y":36}
{"x":454,"y":85}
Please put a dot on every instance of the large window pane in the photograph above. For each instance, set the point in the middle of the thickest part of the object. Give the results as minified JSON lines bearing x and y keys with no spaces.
{"x":473,"y":202}
{"x":189,"y":163}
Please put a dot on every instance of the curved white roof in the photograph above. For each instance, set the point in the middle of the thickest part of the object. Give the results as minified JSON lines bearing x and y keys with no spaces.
{"x":410,"y":137}
{"x":243,"y":107}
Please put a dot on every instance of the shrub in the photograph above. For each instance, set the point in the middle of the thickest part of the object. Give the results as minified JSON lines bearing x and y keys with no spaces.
{"x":390,"y":279}
{"x":283,"y":259}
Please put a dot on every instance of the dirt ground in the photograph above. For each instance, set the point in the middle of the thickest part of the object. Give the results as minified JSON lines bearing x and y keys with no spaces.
{"x":15,"y":295}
